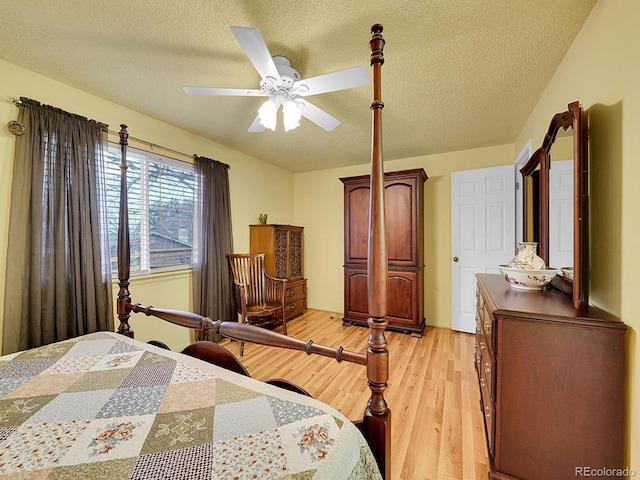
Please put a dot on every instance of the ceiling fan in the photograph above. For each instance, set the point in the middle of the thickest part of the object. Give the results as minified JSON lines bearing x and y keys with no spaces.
{"x":284,"y":87}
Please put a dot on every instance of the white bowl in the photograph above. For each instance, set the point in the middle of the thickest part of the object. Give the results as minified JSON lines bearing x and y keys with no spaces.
{"x":567,"y":272}
{"x":524,"y":279}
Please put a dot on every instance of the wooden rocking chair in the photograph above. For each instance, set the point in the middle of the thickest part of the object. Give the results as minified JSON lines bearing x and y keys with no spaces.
{"x":259,"y":298}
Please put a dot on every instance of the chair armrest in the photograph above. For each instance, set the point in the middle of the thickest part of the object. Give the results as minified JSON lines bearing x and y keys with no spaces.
{"x":275,"y":279}
{"x":275,"y":289}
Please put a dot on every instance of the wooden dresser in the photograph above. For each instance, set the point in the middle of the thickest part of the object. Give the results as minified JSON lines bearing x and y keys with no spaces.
{"x":551,"y":382}
{"x":284,"y":258}
{"x":404,"y":205}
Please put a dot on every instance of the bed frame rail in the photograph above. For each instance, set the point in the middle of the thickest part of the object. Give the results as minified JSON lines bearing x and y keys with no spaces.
{"x":248,"y":333}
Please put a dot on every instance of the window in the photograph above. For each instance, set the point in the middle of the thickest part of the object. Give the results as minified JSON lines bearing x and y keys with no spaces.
{"x":160,"y":192}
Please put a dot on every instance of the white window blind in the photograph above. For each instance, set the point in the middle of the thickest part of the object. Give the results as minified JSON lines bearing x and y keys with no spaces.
{"x":160,"y":192}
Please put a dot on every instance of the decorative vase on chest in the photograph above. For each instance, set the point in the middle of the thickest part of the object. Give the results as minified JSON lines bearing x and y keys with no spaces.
{"x":526,"y":257}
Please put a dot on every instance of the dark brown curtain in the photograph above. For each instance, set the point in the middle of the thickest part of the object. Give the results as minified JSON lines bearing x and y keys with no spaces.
{"x":58,"y":278}
{"x":212,"y":286}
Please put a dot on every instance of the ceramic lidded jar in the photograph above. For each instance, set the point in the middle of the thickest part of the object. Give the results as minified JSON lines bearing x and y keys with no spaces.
{"x":526,"y":257}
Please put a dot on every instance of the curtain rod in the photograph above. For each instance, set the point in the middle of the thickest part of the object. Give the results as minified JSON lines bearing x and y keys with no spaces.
{"x":155,"y":145}
{"x":150,"y":144}
{"x":17,"y":102}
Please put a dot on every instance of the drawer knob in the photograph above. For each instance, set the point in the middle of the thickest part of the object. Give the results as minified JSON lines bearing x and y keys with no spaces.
{"x":483,"y":383}
{"x":487,"y":368}
{"x":487,"y":326}
{"x":291,"y":307}
{"x":290,"y":292}
{"x":482,"y":346}
{"x":487,"y":415}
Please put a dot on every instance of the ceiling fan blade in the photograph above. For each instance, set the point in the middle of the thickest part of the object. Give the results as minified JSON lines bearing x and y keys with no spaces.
{"x":256,"y":126}
{"x":251,"y":41}
{"x":318,"y":116}
{"x":241,"y":92}
{"x":330,"y":82}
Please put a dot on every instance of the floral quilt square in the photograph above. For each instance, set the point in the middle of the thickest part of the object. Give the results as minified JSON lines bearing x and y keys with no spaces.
{"x":259,"y":455}
{"x":72,"y":365}
{"x":36,"y":446}
{"x":307,"y":443}
{"x":109,"y":439}
{"x":118,"y":360}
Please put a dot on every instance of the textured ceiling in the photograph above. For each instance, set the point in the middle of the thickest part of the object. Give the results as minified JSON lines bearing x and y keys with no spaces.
{"x":458,"y":74}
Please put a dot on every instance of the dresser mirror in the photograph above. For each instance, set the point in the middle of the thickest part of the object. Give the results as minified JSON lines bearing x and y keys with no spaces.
{"x":557,"y":218}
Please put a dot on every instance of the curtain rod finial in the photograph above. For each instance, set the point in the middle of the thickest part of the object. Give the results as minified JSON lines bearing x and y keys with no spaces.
{"x":16,"y":128}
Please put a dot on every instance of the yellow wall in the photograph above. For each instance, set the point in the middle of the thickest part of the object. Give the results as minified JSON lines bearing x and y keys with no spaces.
{"x":319,"y":207}
{"x":170,"y":290}
{"x":602,"y":71}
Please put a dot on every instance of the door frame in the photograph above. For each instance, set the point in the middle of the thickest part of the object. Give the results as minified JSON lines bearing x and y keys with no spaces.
{"x":523,"y":157}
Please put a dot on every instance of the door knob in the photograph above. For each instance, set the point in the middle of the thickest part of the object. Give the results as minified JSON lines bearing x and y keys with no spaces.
{"x":455,"y":259}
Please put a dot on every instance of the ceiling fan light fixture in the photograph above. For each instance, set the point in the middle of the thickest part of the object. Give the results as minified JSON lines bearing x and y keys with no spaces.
{"x":267,"y":113}
{"x":291,"y":115}
{"x":282,"y":84}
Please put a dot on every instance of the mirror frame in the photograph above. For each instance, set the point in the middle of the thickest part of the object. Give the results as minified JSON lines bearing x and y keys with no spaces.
{"x":541,"y":160}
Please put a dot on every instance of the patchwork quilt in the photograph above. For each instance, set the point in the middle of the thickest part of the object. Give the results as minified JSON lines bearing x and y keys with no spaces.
{"x":104,"y":406}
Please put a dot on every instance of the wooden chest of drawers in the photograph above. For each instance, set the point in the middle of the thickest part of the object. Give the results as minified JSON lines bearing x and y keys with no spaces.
{"x":295,"y":298}
{"x":551,"y":382}
{"x":283,"y":246}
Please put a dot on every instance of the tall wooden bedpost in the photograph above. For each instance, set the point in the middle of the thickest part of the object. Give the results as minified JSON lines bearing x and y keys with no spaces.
{"x":124,"y":251}
{"x":377,"y":417}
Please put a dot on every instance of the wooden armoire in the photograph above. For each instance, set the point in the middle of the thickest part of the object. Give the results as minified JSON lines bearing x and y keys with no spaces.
{"x":284,"y":258}
{"x":404,"y":207}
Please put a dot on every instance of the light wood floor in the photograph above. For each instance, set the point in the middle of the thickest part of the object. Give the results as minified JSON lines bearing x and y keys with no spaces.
{"x":437,"y":430}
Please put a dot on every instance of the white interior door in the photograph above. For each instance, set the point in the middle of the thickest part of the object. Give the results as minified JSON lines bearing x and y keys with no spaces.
{"x":482,"y":234}
{"x":561,"y":213}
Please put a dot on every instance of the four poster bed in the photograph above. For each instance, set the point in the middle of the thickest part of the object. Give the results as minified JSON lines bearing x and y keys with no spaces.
{"x":107,"y":406}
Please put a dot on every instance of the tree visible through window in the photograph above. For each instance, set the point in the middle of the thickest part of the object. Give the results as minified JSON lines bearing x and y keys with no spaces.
{"x":160,"y":192}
